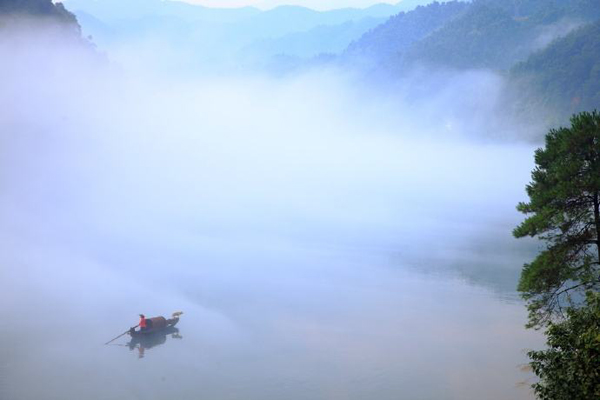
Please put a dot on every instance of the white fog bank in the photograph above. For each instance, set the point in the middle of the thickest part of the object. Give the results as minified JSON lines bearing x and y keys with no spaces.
{"x":291,"y":218}
{"x":92,"y":152}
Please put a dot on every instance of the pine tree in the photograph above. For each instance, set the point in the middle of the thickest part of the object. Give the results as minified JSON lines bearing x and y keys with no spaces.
{"x":564,"y":212}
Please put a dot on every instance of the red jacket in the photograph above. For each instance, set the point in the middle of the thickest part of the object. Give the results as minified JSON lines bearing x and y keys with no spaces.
{"x":142,"y":322}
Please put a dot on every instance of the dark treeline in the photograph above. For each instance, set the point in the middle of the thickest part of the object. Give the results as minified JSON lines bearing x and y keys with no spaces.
{"x":39,"y":8}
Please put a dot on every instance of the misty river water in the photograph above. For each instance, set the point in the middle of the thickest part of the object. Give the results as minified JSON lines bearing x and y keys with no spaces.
{"x":304,"y":323}
{"x":321,"y":244}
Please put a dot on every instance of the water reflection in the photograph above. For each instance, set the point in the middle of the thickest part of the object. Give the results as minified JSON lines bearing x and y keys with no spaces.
{"x":146,"y":342}
{"x":319,"y":326}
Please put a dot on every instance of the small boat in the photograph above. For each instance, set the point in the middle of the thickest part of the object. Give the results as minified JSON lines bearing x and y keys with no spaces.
{"x":157,"y":338}
{"x":156,"y":325}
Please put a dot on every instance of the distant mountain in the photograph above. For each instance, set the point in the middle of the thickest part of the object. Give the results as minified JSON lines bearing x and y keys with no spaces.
{"x":390,"y":40}
{"x":494,"y":34}
{"x":289,"y":19}
{"x":332,"y":39}
{"x":211,"y":38}
{"x":41,"y":19}
{"x":38,"y":8}
{"x":499,"y":33}
{"x":565,"y":77}
{"x":550,"y":47}
{"x":41,"y":47}
{"x":484,"y":36}
{"x":110,"y":11}
{"x":275,"y":21}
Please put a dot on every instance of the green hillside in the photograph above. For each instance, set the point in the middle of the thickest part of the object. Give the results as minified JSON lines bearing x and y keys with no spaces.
{"x":495,"y":34}
{"x":485,"y":36}
{"x":400,"y":32}
{"x":38,"y":8}
{"x":548,"y":49}
{"x":564,"y":77}
{"x":498,"y":34}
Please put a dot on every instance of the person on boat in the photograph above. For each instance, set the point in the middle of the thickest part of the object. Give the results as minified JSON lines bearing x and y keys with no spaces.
{"x":143,"y":324}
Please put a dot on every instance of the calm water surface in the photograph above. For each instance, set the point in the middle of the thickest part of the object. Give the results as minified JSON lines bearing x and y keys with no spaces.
{"x":304,"y":323}
{"x":320,"y":245}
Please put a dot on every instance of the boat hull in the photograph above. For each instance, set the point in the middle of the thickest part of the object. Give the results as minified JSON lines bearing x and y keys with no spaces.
{"x":169,"y":325}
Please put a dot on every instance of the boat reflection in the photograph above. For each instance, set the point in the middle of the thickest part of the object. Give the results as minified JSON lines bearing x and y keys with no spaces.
{"x":148,"y":341}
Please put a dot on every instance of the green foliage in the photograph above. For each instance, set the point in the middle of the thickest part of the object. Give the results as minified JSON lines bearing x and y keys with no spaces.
{"x":485,"y":36}
{"x":564,"y":211}
{"x":497,"y":34}
{"x":552,"y":73}
{"x":545,"y":11}
{"x":494,"y":34}
{"x":400,"y":32}
{"x":570,"y":368}
{"x":564,"y":77}
{"x":585,"y":9}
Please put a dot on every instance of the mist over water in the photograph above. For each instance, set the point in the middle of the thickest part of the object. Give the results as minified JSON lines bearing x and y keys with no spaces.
{"x":325,"y":240}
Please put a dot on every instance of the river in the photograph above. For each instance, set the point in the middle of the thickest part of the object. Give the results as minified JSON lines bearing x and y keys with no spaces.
{"x":321,"y":250}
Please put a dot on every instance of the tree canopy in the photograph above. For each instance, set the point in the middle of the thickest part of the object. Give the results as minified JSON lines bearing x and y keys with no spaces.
{"x":564,"y":211}
{"x":570,"y":367}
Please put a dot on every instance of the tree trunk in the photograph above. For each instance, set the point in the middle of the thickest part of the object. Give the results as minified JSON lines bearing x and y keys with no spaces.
{"x":597,"y":223}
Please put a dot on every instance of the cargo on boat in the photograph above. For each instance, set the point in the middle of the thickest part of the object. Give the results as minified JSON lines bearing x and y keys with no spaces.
{"x":155,"y":325}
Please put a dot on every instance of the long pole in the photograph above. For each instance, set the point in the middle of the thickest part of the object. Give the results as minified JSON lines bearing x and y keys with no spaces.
{"x":124,"y":333}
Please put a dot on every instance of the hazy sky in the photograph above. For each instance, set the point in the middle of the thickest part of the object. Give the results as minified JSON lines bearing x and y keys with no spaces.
{"x":315,"y":4}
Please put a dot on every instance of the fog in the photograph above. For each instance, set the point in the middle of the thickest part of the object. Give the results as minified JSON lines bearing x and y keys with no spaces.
{"x":325,"y":238}
{"x":266,"y":4}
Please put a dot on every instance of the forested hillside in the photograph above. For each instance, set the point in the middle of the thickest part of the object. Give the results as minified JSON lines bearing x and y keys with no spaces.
{"x":494,"y":34}
{"x":43,"y":42}
{"x":485,"y":36}
{"x":546,"y":10}
{"x":499,"y":34}
{"x":45,"y":8}
{"x":564,"y":77}
{"x":401,"y":31}
{"x":548,"y":49}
